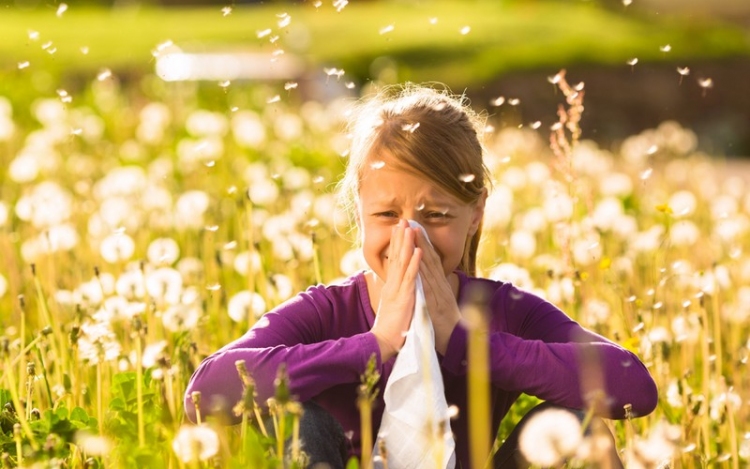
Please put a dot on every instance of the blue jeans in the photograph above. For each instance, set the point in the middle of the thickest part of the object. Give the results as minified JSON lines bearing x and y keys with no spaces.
{"x":326,"y":445}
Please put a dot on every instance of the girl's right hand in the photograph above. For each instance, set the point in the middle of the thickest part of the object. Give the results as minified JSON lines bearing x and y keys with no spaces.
{"x":397,"y":297}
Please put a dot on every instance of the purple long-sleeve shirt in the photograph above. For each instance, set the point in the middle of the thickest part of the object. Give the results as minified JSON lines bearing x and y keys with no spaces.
{"x":323,"y":336}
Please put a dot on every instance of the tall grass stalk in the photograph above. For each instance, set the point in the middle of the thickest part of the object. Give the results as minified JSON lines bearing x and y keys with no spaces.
{"x":138,"y":330}
{"x":478,"y":355}
{"x":23,"y":422}
{"x":57,"y":341}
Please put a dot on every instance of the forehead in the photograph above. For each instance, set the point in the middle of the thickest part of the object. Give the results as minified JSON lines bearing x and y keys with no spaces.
{"x":384,"y":183}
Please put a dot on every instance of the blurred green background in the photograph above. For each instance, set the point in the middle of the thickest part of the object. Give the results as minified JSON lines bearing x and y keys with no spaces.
{"x":628,"y":54}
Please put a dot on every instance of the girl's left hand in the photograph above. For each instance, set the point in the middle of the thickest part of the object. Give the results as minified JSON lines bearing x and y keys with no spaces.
{"x":439,"y":296}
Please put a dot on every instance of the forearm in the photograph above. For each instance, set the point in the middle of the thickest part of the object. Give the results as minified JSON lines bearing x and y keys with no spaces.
{"x":568,"y":374}
{"x":311,"y":368}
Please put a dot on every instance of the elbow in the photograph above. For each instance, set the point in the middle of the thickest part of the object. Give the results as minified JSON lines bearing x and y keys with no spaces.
{"x":647,"y":397}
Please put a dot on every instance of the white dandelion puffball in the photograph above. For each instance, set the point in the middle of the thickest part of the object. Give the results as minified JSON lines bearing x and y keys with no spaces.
{"x":550,"y":436}
{"x":522,"y":244}
{"x":3,"y":286}
{"x":117,"y":247}
{"x":242,"y":304}
{"x":248,"y":129}
{"x":163,"y":251}
{"x":683,"y":203}
{"x":195,"y":443}
{"x":3,"y":214}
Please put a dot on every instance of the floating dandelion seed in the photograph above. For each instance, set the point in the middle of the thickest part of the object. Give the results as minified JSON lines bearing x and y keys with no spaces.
{"x":386,"y":29}
{"x":466,"y":177}
{"x":210,"y":164}
{"x":290,"y":85}
{"x":514,"y":101}
{"x":273,"y":99}
{"x":705,"y":83}
{"x":536,"y":125}
{"x":665,"y":48}
{"x":579,"y":86}
{"x":213,"y":287}
{"x":318,"y":3}
{"x":420,"y":207}
{"x":33,"y":35}
{"x":410,"y":127}
{"x":263,"y":33}
{"x":683,"y":71}
{"x":22,"y":65}
{"x":273,"y":39}
{"x":64,"y":96}
{"x":465,"y":30}
{"x":76,"y":132}
{"x":337,"y":72}
{"x":555,"y":79}
{"x":340,"y":4}
{"x":230,"y":245}
{"x":349,"y":85}
{"x":497,"y":101}
{"x":284,"y":20}
{"x":84,"y":50}
{"x":433,"y":20}
{"x":46,"y":45}
{"x":632,"y":62}
{"x":488,"y":129}
{"x":277,"y":52}
{"x":226,"y":11}
{"x":652,"y":149}
{"x":225,"y":84}
{"x":62,"y":8}
{"x":212,"y":228}
{"x":646,"y":174}
{"x":377,"y":164}
{"x":234,"y":109}
{"x":104,"y":74}
{"x":627,"y":3}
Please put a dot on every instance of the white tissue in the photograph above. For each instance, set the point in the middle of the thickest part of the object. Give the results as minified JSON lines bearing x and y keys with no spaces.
{"x":415,"y":425}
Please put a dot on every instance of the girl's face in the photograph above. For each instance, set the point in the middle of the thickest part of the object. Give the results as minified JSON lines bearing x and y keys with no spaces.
{"x":388,"y":194}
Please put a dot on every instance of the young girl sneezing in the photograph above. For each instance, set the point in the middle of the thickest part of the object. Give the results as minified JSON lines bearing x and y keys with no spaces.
{"x":416,"y":156}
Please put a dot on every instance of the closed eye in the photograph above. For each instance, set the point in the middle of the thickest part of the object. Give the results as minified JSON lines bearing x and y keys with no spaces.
{"x":389,"y":214}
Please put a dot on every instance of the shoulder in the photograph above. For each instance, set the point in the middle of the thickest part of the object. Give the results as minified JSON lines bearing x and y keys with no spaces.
{"x":344,"y":290}
{"x":495,"y":291}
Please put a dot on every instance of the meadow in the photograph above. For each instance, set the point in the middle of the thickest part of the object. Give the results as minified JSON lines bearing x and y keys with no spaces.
{"x":143,"y":227}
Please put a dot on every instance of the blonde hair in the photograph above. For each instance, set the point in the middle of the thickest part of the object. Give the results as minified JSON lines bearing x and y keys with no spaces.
{"x":426,"y":131}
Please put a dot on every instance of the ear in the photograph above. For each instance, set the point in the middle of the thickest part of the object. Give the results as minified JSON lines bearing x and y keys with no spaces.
{"x":478,"y":213}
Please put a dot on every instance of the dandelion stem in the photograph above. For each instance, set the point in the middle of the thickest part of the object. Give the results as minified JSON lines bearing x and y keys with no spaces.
{"x":99,"y":397}
{"x":20,"y":409}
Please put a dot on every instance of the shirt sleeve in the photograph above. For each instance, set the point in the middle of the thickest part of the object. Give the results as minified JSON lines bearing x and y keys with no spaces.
{"x":293,"y":334}
{"x":536,"y":349}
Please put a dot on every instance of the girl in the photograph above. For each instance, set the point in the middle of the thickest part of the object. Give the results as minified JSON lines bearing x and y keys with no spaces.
{"x":417,"y":156}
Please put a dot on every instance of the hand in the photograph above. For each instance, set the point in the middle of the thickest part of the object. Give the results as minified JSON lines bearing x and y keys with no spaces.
{"x":397,"y":296}
{"x":439,"y":295}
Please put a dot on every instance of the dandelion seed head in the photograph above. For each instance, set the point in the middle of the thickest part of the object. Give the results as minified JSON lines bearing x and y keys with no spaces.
{"x":195,"y":443}
{"x":93,"y":445}
{"x":118,"y":247}
{"x":244,"y":304}
{"x":550,"y":436}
